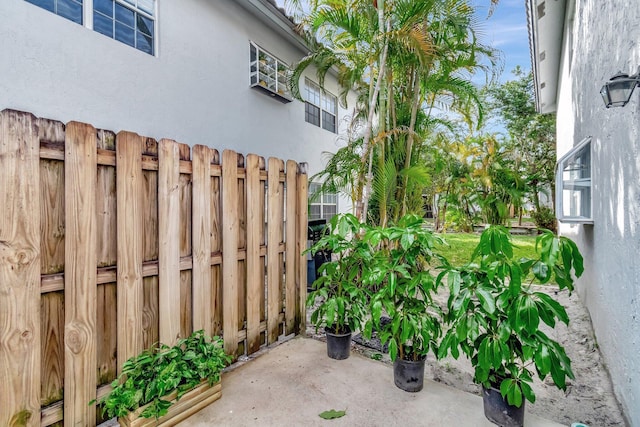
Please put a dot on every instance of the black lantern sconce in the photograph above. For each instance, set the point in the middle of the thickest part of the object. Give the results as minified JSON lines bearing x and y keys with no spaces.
{"x":618,"y":90}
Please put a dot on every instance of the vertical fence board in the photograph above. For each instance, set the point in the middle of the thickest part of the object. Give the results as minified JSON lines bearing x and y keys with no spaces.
{"x":80,"y":290}
{"x":51,"y":133}
{"x":230,"y":250}
{"x":150,"y":233}
{"x":291,"y":247}
{"x":186,"y":291}
{"x":301,"y":312}
{"x":216,"y":247}
{"x":242,"y":244}
{"x":201,"y":224}
{"x":130,"y":293}
{"x":255,"y":283}
{"x":274,"y":220}
{"x":169,"y":240}
{"x":106,"y":255}
{"x":19,"y":270}
{"x":52,"y":342}
{"x":106,"y":325}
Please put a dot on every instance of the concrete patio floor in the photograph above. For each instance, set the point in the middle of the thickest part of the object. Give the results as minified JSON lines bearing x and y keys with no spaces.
{"x":291,"y":384}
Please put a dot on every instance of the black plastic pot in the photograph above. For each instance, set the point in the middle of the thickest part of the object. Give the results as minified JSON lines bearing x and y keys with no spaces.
{"x":499,"y":412}
{"x":338,"y":345}
{"x":408,"y":375}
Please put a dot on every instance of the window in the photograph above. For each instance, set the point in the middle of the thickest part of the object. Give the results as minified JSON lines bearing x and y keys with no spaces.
{"x":269,"y":74}
{"x":70,"y":9}
{"x":128,"y":21}
{"x":131,"y":22}
{"x":321,"y":108}
{"x":321,"y":205}
{"x":573,"y":184}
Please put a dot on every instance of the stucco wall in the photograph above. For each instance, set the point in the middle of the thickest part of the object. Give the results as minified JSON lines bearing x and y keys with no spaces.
{"x":610,"y":286}
{"x":196,"y":90}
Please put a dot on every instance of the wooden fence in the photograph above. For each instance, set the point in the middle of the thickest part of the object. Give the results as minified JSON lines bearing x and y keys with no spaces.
{"x":110,"y":243}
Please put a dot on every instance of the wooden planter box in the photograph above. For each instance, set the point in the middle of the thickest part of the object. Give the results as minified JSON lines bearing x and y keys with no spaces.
{"x":190,"y":403}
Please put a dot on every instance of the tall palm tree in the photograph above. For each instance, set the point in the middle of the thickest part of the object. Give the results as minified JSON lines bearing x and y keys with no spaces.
{"x":404,"y":59}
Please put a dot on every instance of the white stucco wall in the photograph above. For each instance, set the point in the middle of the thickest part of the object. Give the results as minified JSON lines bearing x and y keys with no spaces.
{"x":605,"y":40}
{"x":196,"y":90}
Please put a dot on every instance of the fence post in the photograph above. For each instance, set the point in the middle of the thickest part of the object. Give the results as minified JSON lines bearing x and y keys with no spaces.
{"x":19,"y":270}
{"x":80,"y":289}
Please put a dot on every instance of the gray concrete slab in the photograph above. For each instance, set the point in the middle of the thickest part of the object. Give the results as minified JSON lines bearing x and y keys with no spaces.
{"x":292,"y":383}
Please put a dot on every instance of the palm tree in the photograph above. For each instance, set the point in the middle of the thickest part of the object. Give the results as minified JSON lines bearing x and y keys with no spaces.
{"x":404,"y":59}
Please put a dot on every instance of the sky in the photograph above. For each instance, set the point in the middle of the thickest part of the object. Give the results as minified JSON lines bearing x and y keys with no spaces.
{"x":505,"y":30}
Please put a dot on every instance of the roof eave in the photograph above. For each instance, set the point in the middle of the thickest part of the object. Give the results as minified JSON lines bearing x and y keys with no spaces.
{"x":545,"y":21}
{"x":276,"y":19}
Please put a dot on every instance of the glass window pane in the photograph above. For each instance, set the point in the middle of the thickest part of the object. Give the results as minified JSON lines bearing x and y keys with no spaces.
{"x":330,"y":198}
{"x":328,"y":122}
{"x":146,"y":6}
{"x":312,"y":114}
{"x":71,"y":10}
{"x":314,"y":212}
{"x":103,"y":6}
{"x":145,"y":25}
{"x":125,"y":34}
{"x":144,"y":43}
{"x":125,"y":16}
{"x":328,"y":211}
{"x":102,"y":24}
{"x":45,"y":4}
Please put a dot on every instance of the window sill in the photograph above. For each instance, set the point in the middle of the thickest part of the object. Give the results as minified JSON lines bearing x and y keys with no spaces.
{"x":277,"y":96}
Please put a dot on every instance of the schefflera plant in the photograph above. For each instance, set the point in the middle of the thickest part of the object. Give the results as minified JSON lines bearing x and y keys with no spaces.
{"x":495,"y":319}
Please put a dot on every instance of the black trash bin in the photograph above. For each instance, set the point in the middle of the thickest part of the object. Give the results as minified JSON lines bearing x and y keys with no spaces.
{"x":315,"y":231}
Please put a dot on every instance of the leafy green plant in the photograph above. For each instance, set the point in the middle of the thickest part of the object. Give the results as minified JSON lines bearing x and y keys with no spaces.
{"x":400,"y":266}
{"x":544,"y":218}
{"x":339,"y":297}
{"x":494,"y":319}
{"x":159,"y":371}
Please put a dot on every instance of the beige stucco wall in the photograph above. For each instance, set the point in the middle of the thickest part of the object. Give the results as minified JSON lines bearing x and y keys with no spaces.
{"x":605,"y":40}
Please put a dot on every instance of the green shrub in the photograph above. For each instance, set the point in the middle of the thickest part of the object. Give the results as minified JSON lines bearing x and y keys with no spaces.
{"x":159,"y":371}
{"x":545,"y":218}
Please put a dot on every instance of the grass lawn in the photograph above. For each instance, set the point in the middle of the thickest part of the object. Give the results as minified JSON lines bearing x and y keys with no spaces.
{"x":461,"y":246}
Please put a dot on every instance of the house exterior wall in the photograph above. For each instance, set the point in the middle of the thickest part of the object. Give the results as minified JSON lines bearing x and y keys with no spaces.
{"x":196,"y":90}
{"x":594,"y":50}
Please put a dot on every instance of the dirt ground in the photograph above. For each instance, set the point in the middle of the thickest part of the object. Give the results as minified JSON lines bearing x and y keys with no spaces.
{"x":589,"y":397}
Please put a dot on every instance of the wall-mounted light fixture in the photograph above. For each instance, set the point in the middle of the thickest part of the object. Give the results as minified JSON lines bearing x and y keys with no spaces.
{"x":618,"y":90}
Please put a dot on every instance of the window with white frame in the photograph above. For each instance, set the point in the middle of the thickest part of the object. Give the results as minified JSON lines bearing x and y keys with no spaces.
{"x":573,"y":185}
{"x":321,"y":204}
{"x":70,"y":9}
{"x":128,"y":21}
{"x":321,"y":107}
{"x":269,"y":74}
{"x":131,"y":22}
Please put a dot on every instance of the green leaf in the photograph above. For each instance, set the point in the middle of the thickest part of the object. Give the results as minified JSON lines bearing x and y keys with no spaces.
{"x":541,"y":271}
{"x":332,"y":414}
{"x":528,"y":392}
{"x":527,"y":316}
{"x":510,"y":389}
{"x":542,"y":359}
{"x":486,"y":299}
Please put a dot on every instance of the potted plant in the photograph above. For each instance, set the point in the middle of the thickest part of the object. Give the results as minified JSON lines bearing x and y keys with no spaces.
{"x":494,"y":319}
{"x":400,"y":267}
{"x":151,"y":383}
{"x":338,"y":298}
